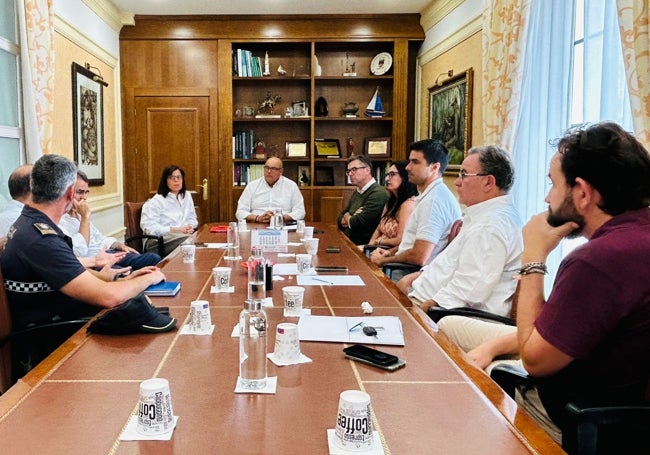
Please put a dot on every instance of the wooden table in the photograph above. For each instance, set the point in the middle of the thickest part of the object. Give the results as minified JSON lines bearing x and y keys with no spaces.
{"x":81,"y":397}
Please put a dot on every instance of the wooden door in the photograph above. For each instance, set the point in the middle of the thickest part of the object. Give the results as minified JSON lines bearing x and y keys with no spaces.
{"x":173,"y":130}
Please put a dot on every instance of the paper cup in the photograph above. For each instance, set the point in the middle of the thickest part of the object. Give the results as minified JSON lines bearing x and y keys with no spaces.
{"x":287,"y":343}
{"x":354,"y":423}
{"x":188,"y":252}
{"x":221,"y":276}
{"x":293,"y":297}
{"x":155,"y":412}
{"x":308,"y":232}
{"x":303,"y":263}
{"x":200,"y":316}
{"x":311,"y":245}
{"x":241,"y":225}
{"x":300,"y":227}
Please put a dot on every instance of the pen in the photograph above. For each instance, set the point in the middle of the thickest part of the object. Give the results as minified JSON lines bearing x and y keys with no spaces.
{"x":355,"y":326}
{"x":322,"y":281}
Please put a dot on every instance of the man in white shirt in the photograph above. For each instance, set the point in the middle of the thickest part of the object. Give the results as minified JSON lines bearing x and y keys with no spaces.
{"x":87,"y":240}
{"x":476,"y":270}
{"x":273,"y":191}
{"x":436,"y":209}
{"x":21,"y":194}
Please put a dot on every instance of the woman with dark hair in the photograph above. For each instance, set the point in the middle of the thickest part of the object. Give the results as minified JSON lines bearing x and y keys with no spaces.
{"x":398,"y":208}
{"x":170,"y":212}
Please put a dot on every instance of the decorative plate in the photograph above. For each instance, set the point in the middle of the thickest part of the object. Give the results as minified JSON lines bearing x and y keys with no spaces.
{"x":381,"y":63}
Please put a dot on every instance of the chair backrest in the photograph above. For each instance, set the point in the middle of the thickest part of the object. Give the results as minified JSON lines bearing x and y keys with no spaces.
{"x":5,"y":349}
{"x":133,"y":212}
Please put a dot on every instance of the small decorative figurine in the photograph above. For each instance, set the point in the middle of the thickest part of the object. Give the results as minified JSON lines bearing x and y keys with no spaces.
{"x":321,"y":107}
{"x":266,"y":65}
{"x":349,"y":145}
{"x":260,"y":150}
{"x":267,"y":105}
{"x":282,"y":71}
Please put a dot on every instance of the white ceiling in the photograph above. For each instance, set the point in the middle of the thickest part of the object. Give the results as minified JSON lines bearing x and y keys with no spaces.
{"x":165,"y":7}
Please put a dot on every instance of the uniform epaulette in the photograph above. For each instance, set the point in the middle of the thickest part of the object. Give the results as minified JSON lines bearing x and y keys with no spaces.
{"x":44,"y":229}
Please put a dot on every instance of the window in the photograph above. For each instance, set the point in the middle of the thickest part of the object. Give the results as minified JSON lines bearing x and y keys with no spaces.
{"x":11,"y":141}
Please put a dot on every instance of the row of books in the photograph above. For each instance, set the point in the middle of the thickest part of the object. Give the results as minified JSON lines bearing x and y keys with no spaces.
{"x":243,"y":143}
{"x":245,"y":173}
{"x":245,"y":64}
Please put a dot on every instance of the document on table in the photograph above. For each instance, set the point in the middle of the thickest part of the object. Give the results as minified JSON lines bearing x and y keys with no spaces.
{"x":330,"y":280}
{"x":337,"y":329}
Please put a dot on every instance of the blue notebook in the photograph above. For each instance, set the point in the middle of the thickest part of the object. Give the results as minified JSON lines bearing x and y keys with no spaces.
{"x":164,"y":288}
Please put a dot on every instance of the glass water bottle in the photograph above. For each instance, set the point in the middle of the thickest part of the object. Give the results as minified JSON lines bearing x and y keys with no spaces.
{"x":252,"y":345}
{"x":256,"y":275}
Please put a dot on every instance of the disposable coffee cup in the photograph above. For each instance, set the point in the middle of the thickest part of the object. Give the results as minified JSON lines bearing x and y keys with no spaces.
{"x":303,"y":263}
{"x":221,"y":276}
{"x":293,"y":297}
{"x":188,"y":252}
{"x":200,"y":316}
{"x":287,"y":343}
{"x":308,"y":232}
{"x":155,"y":412}
{"x":241,"y":225}
{"x":311,"y":245}
{"x":353,"y":431}
{"x":300,"y":227}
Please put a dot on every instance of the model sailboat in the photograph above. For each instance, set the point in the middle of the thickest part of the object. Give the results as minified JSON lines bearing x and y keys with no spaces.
{"x":375,"y":108}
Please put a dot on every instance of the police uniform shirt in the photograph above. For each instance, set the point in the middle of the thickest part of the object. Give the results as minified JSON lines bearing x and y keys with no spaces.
{"x":36,"y":263}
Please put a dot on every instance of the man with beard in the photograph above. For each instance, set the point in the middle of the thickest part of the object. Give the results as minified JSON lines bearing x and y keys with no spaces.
{"x":591,"y":338}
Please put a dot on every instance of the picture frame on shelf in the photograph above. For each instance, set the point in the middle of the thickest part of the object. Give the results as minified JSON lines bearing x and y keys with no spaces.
{"x":323,"y":176}
{"x":327,"y":148}
{"x":299,"y":109}
{"x":450,"y":116}
{"x":296,"y":149}
{"x":304,"y":176}
{"x":88,"y":123}
{"x":377,"y":147}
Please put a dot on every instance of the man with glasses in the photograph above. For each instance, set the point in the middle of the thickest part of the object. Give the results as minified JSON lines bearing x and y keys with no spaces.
{"x":436,"y":209}
{"x":273,"y":191}
{"x":88,"y":241}
{"x":476,"y":269}
{"x":360,"y":217}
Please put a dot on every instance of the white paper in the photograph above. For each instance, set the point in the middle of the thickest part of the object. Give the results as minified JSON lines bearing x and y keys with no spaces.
{"x":302,"y":359}
{"x":271,"y":386}
{"x":216,"y":245}
{"x":216,"y":290}
{"x":271,"y":240}
{"x":337,"y":329}
{"x":285,"y":268}
{"x":330,"y":280}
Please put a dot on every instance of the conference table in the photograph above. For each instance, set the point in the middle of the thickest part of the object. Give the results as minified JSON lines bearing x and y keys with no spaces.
{"x":80,"y":399}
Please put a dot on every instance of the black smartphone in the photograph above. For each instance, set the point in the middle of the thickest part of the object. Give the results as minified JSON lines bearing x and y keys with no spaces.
{"x":370,"y":355}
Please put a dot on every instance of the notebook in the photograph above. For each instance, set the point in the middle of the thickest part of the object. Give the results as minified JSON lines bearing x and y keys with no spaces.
{"x":164,"y":288}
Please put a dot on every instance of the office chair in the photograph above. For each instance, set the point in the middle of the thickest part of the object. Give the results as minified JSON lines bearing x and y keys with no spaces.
{"x":134,"y":235}
{"x":589,"y":429}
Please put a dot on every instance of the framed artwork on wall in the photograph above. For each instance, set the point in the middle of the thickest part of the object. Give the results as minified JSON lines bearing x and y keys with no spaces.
{"x":378,"y":146}
{"x":450,"y":116}
{"x":296,"y":149}
{"x":327,"y":148}
{"x":88,"y":123}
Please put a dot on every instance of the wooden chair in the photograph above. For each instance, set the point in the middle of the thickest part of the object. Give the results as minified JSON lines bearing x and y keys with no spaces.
{"x":34,"y":343}
{"x":134,"y":234}
{"x":589,"y":429}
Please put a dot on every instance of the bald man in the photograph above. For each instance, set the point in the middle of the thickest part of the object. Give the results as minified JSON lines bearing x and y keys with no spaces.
{"x":21,"y":194}
{"x":273,"y":191}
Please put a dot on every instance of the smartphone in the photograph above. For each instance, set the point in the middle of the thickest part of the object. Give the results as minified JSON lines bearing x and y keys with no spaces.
{"x":373,"y":357}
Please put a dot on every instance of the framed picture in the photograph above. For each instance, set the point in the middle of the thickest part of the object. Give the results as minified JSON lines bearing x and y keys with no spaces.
{"x":304,"y":177}
{"x":450,"y":116}
{"x":88,"y":124}
{"x":378,"y":146}
{"x":296,"y":149}
{"x":323,"y":176}
{"x":299,"y":109}
{"x":327,"y":148}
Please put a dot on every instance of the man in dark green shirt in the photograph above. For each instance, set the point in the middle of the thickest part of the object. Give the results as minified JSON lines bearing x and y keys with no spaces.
{"x":359,"y":219}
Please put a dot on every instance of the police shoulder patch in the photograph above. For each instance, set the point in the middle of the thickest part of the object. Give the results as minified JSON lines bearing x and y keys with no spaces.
{"x":44,"y":229}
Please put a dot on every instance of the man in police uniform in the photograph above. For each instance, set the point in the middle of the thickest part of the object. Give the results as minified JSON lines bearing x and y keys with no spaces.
{"x":44,"y":280}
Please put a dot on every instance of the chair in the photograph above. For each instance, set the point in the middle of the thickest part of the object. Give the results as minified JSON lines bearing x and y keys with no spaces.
{"x":32,"y":344}
{"x":134,"y":234}
{"x":589,"y":429}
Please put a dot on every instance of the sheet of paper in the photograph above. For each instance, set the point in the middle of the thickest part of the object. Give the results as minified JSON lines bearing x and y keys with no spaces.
{"x":285,"y":268}
{"x":330,"y":280}
{"x":337,"y":329}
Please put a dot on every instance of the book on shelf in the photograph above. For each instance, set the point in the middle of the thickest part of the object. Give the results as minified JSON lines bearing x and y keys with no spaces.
{"x":163,"y":289}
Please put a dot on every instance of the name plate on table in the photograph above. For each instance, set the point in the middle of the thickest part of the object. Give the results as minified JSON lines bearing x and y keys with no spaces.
{"x":271,"y":240}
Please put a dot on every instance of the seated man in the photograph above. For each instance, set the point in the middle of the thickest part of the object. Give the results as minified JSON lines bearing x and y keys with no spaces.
{"x":87,"y":240}
{"x":273,"y":191}
{"x":20,"y":193}
{"x":44,"y":280}
{"x":436,"y":209}
{"x":360,"y":217}
{"x":591,"y":338}
{"x":476,"y":270}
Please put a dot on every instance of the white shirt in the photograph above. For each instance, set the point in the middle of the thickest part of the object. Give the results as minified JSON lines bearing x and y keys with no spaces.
{"x":160,"y":214}
{"x":9,"y":215}
{"x":435,"y":210}
{"x":70,"y":227}
{"x":476,"y":270}
{"x":258,"y":197}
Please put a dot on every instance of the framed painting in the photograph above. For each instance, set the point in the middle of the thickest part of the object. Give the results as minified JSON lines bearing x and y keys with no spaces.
{"x":328,"y":148}
{"x":304,"y":177}
{"x":88,"y":124}
{"x":296,"y":149}
{"x":377,"y":146}
{"x":450,"y":116}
